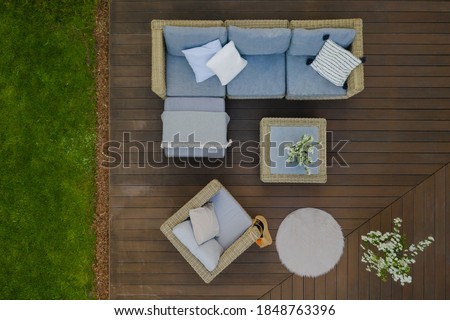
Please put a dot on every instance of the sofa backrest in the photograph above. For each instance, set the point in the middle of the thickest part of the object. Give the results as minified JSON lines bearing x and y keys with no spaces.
{"x":181,"y":38}
{"x":308,"y":42}
{"x":260,"y":41}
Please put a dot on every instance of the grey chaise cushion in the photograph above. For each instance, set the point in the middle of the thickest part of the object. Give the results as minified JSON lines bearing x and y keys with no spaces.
{"x":180,"y":80}
{"x":304,"y":81}
{"x":205,"y":117}
{"x":264,"y":77}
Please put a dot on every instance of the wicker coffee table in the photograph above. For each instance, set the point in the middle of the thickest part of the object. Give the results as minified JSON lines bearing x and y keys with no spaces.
{"x":275,"y":134}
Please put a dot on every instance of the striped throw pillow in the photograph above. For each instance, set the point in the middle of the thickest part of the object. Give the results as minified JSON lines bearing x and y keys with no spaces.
{"x":334,"y":63}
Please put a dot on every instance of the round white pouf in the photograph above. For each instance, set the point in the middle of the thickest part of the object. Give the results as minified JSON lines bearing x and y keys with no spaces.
{"x":309,"y":242}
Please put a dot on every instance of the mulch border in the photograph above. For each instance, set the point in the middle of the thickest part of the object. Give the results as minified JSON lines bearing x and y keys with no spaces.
{"x":101,"y":220}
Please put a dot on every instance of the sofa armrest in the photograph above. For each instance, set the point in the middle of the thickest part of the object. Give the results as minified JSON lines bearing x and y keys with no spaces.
{"x":159,"y":50}
{"x":355,"y":82}
{"x":248,"y":238}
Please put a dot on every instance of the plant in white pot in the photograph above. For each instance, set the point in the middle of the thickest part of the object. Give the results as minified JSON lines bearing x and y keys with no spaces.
{"x":392,"y":256}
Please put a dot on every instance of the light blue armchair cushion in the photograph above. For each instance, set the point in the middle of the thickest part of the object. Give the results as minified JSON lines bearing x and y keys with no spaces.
{"x":264,"y":76}
{"x":233,"y":219}
{"x":207,"y":253}
{"x":308,"y":42}
{"x":304,"y":81}
{"x":181,"y":38}
{"x":180,"y":80}
{"x":257,"y":41}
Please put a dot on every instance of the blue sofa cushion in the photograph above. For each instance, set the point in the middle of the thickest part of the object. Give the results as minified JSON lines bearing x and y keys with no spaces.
{"x":258,"y":41}
{"x":233,"y":219}
{"x":308,"y":42}
{"x":180,"y":81}
{"x":264,"y":76}
{"x":181,"y":38}
{"x":304,"y":81}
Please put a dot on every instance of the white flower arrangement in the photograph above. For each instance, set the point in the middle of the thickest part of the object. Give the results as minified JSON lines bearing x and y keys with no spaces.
{"x":393,"y":257}
{"x":301,"y":151}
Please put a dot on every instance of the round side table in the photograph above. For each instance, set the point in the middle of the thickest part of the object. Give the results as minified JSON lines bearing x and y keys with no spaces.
{"x":309,"y":242}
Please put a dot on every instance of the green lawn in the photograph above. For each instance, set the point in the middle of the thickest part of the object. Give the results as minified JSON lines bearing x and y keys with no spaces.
{"x":47,"y":155}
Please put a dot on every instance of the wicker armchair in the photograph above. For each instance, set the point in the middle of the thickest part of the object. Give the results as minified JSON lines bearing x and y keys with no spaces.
{"x":249,"y":237}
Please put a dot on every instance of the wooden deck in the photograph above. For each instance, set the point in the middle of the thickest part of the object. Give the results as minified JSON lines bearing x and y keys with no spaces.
{"x":399,"y":133}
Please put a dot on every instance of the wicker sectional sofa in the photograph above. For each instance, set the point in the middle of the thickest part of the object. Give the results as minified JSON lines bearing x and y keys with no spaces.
{"x":290,"y":78}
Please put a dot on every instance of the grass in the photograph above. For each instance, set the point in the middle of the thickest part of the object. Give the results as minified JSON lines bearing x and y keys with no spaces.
{"x":47,"y":155}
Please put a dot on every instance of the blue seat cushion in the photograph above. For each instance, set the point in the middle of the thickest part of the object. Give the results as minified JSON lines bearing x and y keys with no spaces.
{"x":233,"y":219}
{"x":181,"y":38}
{"x":194,"y":104}
{"x":180,"y":80}
{"x":264,"y":76}
{"x":257,"y":41}
{"x":304,"y":81}
{"x":308,"y":42}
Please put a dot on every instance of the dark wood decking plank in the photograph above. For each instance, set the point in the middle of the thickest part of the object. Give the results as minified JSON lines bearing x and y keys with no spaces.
{"x":309,"y":288}
{"x":297,"y":287}
{"x":289,"y":6}
{"x":440,"y":234}
{"x":397,"y":212}
{"x":275,"y":294}
{"x":353,"y":265}
{"x":419,"y":219}
{"x":286,"y":289}
{"x":331,"y":284}
{"x":408,"y":230}
{"x":375,"y":282}
{"x":447,"y":228}
{"x":429,"y":230}
{"x":320,"y":288}
{"x":364,"y":275}
{"x":342,"y":274}
{"x":385,"y":226}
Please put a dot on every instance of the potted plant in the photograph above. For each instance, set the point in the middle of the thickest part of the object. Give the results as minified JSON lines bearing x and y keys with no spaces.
{"x":301,"y":151}
{"x":392,"y":256}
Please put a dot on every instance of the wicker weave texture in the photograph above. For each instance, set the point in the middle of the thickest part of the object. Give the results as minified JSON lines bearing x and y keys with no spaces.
{"x":265,"y":173}
{"x":258,"y":23}
{"x":234,"y":251}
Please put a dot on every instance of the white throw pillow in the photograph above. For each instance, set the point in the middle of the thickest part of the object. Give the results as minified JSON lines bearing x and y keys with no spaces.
{"x":334,"y":63}
{"x":199,"y":56}
{"x":208,"y":253}
{"x":227,"y":63}
{"x":204,"y":223}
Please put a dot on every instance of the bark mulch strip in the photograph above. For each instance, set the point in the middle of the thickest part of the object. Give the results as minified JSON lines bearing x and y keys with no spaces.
{"x":101,"y":221}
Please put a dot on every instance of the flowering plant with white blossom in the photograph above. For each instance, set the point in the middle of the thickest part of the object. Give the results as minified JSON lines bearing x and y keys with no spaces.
{"x":301,"y":151}
{"x":393,"y":257}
